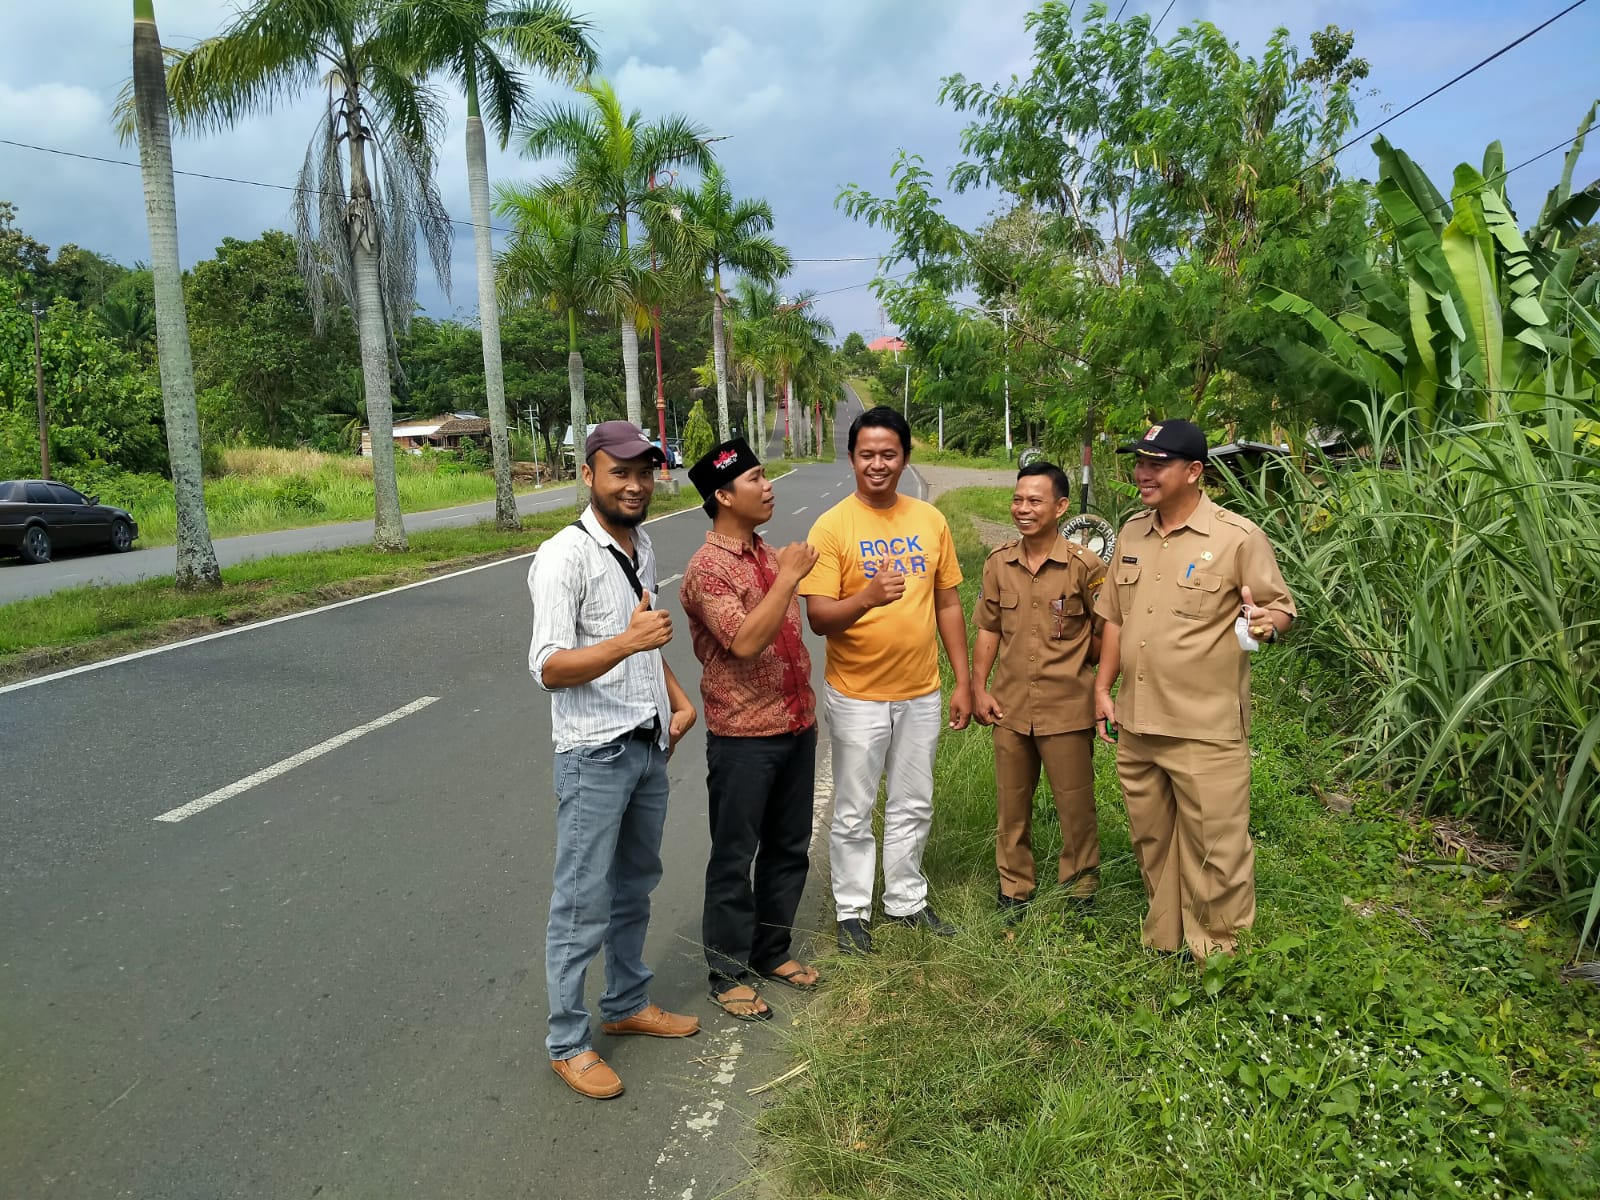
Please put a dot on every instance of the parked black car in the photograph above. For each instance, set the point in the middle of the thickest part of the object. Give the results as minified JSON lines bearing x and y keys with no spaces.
{"x":38,"y":517}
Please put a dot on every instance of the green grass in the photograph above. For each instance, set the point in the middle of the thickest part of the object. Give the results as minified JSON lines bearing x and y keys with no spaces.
{"x":1394,"y":1027}
{"x":81,"y":624}
{"x":924,"y":453}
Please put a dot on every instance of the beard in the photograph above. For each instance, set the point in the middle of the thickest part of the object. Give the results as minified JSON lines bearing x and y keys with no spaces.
{"x":615,"y":514}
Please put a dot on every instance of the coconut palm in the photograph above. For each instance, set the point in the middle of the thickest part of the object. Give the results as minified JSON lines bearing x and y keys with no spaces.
{"x":364,"y":235}
{"x":479,"y":44}
{"x":754,"y":304}
{"x":564,"y":254}
{"x":197,"y":560}
{"x":796,"y":332}
{"x":704,"y":229}
{"x":613,"y":157}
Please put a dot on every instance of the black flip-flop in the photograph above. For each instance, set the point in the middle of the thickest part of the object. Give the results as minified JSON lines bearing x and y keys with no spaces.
{"x":787,"y":978}
{"x":764,"y":1014}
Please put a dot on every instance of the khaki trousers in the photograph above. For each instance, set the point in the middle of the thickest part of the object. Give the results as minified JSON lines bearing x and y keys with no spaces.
{"x":1189,"y":817}
{"x":1068,"y":760}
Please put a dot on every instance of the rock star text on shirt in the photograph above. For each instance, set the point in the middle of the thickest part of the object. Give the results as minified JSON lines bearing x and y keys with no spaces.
{"x":902,"y":554}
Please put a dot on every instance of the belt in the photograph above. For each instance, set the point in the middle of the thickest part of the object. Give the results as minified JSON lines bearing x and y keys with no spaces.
{"x":646,"y":733}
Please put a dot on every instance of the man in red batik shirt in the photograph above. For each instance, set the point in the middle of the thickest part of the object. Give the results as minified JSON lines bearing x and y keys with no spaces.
{"x":761,"y":732}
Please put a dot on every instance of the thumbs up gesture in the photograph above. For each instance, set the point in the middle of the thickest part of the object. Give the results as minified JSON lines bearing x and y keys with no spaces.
{"x":1259,"y":620}
{"x":647,"y":628}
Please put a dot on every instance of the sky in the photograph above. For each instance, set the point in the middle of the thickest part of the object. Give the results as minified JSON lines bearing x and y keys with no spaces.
{"x":810,"y":97}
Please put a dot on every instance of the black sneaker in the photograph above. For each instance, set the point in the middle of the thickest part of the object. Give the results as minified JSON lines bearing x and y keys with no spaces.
{"x":925,"y":918}
{"x":1012,"y":907}
{"x":854,"y":937}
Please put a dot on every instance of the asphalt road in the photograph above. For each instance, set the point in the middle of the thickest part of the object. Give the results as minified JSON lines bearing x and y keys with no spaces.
{"x":330,"y":983}
{"x":19,"y":580}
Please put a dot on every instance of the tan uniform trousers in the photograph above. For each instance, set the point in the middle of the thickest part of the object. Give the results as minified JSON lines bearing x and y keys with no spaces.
{"x":1068,"y":760}
{"x":1189,"y":817}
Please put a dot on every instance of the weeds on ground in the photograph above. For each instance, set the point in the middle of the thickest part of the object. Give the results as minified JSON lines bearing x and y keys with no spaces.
{"x":1387,"y":1031}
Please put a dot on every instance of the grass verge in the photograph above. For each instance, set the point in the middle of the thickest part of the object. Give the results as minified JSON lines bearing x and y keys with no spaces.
{"x":78,"y":625}
{"x":1395,"y":1027}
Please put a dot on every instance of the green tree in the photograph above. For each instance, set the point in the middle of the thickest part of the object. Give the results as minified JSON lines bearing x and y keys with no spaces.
{"x":704,"y":230}
{"x":196,"y":559}
{"x":612,"y":158}
{"x":698,"y":436}
{"x":563,"y":254}
{"x":480,"y":44}
{"x":361,"y":234}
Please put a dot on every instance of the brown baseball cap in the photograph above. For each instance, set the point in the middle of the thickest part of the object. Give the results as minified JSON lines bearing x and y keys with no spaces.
{"x":621,"y":440}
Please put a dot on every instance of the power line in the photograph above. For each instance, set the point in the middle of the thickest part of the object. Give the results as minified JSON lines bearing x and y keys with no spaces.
{"x":1158,"y":24}
{"x":284,"y":187}
{"x":1389,"y":120}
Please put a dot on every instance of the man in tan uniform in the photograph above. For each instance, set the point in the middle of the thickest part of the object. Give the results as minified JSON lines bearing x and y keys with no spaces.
{"x":1035,"y":613}
{"x":1184,"y":572}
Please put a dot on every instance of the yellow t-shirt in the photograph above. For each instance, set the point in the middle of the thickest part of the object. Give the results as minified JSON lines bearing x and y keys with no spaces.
{"x":892,"y":652}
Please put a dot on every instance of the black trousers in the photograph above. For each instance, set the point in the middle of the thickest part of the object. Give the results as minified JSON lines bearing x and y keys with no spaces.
{"x":760,"y":790}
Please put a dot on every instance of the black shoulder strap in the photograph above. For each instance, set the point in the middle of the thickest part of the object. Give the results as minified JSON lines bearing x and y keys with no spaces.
{"x":623,"y":560}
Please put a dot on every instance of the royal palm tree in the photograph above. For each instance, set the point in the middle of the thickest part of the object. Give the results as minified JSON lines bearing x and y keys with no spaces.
{"x":796,"y":332}
{"x":197,"y":559}
{"x":564,"y":253}
{"x":754,"y":305}
{"x":613,"y":157}
{"x":480,"y":44}
{"x":704,"y":229}
{"x":381,"y":118}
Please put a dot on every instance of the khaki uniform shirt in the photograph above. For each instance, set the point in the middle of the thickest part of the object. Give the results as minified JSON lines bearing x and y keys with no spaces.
{"x":1176,"y":596}
{"x":1043,"y":679}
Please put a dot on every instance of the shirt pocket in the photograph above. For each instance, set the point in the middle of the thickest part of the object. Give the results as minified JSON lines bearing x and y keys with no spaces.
{"x":1126,"y":578}
{"x":1010,"y":606}
{"x":1200,"y":596}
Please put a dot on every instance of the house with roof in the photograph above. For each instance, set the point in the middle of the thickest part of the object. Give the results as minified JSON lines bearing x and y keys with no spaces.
{"x":444,"y":432}
{"x":892,"y":345}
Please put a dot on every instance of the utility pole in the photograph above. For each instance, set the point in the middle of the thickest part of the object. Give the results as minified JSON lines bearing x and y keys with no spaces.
{"x":533,"y":438}
{"x":905,"y":398}
{"x":1005,"y":322}
{"x":38,"y":388}
{"x":941,"y":407}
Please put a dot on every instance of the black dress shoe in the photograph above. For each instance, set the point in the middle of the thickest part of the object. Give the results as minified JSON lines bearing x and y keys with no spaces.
{"x":1013,"y":907}
{"x":926,"y":918}
{"x":854,"y":937}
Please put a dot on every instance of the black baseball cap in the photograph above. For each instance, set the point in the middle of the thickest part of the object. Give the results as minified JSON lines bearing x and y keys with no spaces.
{"x":1170,"y":439}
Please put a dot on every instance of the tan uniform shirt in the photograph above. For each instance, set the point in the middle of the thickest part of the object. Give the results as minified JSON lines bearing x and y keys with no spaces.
{"x":1043,"y":679}
{"x":1176,"y":596}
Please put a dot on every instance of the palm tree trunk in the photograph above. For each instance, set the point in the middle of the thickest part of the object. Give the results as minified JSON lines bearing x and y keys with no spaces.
{"x":630,"y":369}
{"x":802,"y":431}
{"x":761,"y":415}
{"x":719,"y":355}
{"x":388,"y":527}
{"x":580,"y":416}
{"x":752,"y":434}
{"x":197,"y":559}
{"x":494,"y":382}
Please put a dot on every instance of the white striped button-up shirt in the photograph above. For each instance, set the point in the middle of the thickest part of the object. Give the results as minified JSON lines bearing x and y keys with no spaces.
{"x":581,"y":596}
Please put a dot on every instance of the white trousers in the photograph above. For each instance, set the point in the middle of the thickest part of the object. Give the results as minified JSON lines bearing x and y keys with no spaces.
{"x":867,"y":736}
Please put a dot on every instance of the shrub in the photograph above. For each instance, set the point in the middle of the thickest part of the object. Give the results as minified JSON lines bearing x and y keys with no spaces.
{"x":1449,"y":588}
{"x":698,"y":437}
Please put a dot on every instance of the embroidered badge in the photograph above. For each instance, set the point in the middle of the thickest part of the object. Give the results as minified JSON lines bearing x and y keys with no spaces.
{"x":1153,"y":432}
{"x":726,"y":457}
{"x":1206,"y":555}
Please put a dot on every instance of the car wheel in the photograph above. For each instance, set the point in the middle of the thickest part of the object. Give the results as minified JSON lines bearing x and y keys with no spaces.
{"x":36,"y":544}
{"x":121,"y":537}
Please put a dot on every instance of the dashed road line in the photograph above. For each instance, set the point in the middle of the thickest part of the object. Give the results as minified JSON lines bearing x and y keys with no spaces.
{"x":800,"y":510}
{"x":295,"y":760}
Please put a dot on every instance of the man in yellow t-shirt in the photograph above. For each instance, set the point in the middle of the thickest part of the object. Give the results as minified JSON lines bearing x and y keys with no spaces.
{"x":883,"y":587}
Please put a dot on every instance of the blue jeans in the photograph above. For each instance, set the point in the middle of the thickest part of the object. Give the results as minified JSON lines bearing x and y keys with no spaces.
{"x":612,"y":806}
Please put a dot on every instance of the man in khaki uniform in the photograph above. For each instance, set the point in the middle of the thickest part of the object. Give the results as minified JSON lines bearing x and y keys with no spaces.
{"x":1184,"y":572}
{"x":1035,"y":613}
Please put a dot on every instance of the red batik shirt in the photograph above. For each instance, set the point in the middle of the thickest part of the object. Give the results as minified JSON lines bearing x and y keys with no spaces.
{"x":763,"y":696}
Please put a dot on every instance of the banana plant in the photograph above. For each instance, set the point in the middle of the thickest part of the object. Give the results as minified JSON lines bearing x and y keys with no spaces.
{"x":1471,"y":314}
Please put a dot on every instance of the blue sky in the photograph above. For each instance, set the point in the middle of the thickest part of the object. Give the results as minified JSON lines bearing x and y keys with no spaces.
{"x":813,"y":96}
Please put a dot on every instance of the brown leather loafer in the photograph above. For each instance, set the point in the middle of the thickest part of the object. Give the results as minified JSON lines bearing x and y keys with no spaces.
{"x":654,"y":1021}
{"x":588,"y":1075}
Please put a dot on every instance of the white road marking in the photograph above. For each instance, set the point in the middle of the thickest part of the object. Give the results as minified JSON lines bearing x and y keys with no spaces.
{"x":822,"y":791}
{"x":294,"y":616}
{"x":703,"y":1123}
{"x":801,"y":509}
{"x":288,"y":764}
{"x":661,"y":583}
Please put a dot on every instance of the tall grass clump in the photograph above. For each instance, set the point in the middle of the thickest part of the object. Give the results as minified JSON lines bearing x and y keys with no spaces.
{"x":1449,"y":590}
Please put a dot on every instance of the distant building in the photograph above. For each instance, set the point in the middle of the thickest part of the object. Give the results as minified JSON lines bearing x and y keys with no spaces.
{"x":892,"y":344}
{"x":444,"y":432}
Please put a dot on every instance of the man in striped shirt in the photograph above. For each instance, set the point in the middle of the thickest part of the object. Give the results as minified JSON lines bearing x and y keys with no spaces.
{"x":616,"y":712}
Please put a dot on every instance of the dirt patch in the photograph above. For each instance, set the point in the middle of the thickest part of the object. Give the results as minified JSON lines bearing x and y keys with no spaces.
{"x":992,"y":533}
{"x":947,"y":479}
